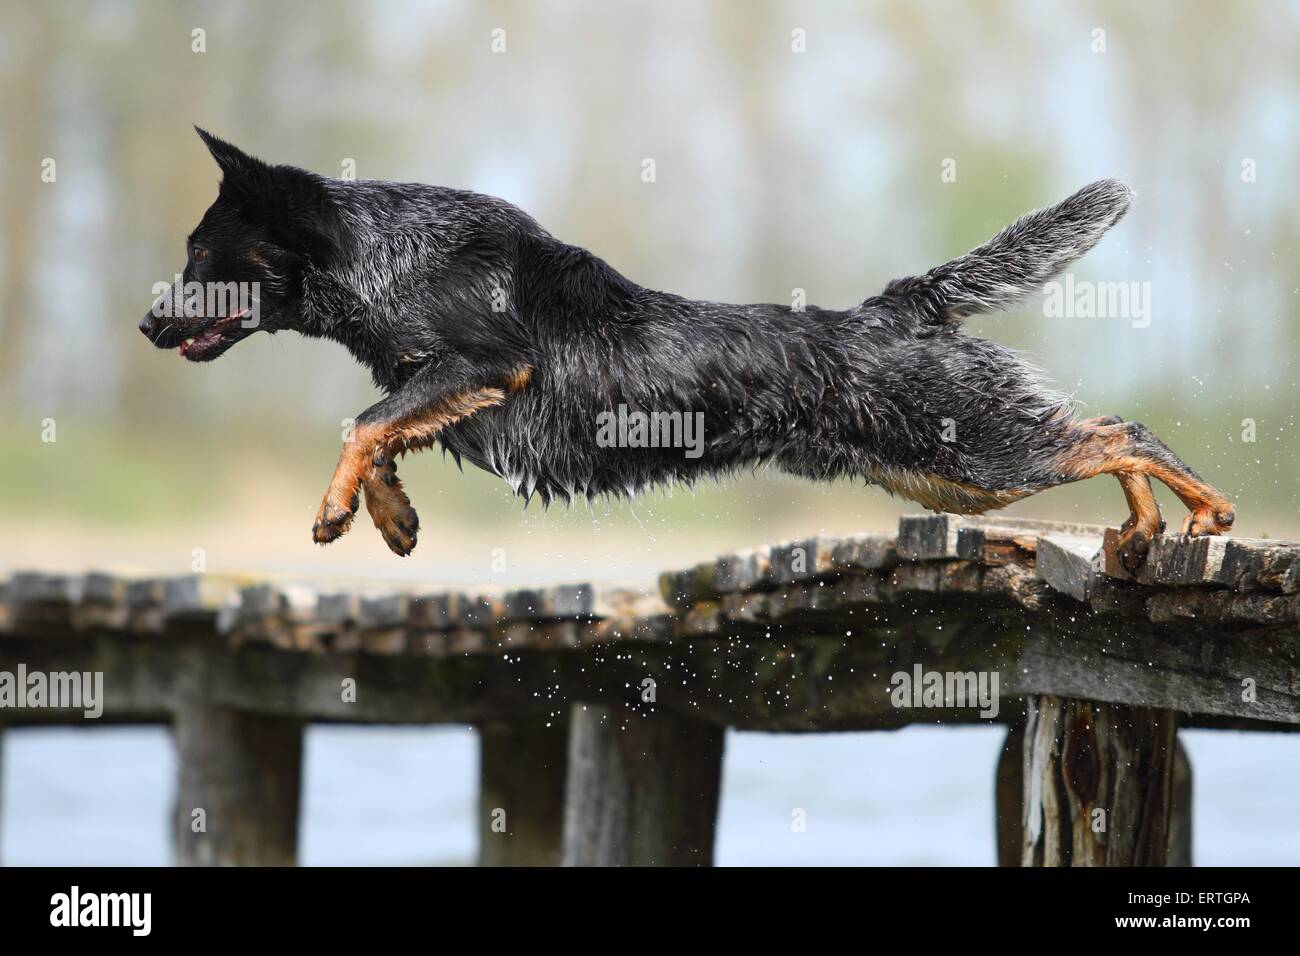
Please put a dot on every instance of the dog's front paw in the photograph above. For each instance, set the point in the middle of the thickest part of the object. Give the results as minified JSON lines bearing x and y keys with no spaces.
{"x":333,"y":519}
{"x":390,"y":509}
{"x":400,"y":530}
{"x":395,"y":519}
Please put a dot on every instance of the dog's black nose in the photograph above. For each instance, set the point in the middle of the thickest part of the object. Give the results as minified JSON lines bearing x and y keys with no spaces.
{"x":147,"y":326}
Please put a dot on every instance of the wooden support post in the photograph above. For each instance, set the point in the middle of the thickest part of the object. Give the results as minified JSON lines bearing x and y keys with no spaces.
{"x":521,"y":792}
{"x":239,"y":787}
{"x":642,"y":789}
{"x":1009,"y":799}
{"x":1098,"y":783}
{"x":1180,"y":813}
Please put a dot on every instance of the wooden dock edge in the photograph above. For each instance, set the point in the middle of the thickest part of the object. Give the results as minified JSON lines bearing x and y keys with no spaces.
{"x":620,"y":761}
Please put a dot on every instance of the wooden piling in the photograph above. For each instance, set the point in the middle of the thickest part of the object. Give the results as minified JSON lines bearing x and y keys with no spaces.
{"x":642,"y":789}
{"x":521,"y":791}
{"x":1180,"y":811}
{"x":1008,"y":801}
{"x":1098,"y":783}
{"x":238,"y":793}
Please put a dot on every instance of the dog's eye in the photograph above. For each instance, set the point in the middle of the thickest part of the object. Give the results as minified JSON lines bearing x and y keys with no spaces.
{"x":200,"y":253}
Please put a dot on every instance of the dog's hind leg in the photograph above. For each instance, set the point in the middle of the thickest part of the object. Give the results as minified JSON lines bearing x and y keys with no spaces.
{"x":1134,"y":455}
{"x":1144,"y":520}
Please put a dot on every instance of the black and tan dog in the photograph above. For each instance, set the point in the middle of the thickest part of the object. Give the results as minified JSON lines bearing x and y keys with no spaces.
{"x":506,"y":346}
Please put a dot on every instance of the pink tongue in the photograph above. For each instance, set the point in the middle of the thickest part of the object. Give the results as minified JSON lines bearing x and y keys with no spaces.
{"x":210,"y":336}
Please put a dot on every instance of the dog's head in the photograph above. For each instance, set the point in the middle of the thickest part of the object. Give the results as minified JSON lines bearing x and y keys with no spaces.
{"x":244,"y":262}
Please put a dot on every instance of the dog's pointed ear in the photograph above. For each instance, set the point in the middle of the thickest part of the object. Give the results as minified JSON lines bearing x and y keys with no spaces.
{"x":236,"y":165}
{"x":293,"y":203}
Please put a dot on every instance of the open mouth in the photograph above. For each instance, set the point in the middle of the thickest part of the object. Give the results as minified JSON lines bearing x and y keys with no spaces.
{"x":216,"y":338}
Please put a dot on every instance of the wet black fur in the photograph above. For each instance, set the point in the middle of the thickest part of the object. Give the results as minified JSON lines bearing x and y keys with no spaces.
{"x":439,"y":290}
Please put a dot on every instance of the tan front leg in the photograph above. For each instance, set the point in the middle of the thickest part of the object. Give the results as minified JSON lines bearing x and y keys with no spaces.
{"x":367,"y":461}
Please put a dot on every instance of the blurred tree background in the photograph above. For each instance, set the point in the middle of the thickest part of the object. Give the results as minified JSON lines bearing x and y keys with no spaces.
{"x":783,"y":159}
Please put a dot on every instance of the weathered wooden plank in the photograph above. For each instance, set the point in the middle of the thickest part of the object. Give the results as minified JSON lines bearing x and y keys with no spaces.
{"x":438,"y":610}
{"x":742,"y":570}
{"x":426,"y":625}
{"x":41,"y":603}
{"x":642,"y":789}
{"x":259,"y":617}
{"x":1190,"y":671}
{"x":937,"y":537}
{"x":382,"y":622}
{"x":574,"y":601}
{"x":806,"y":559}
{"x":796,"y":676}
{"x":239,"y":786}
{"x":103,"y":603}
{"x":1250,"y":563}
{"x":865,"y":552}
{"x":1176,"y":561}
{"x":292,"y":617}
{"x":30,"y":587}
{"x":522,"y":771}
{"x":1233,"y":610}
{"x":197,"y":596}
{"x":477,"y":611}
{"x":681,"y":589}
{"x":537,"y":635}
{"x":653,"y":629}
{"x":320,"y":620}
{"x":1069,"y":565}
{"x":802,"y":560}
{"x":928,"y":537}
{"x":994,"y":546}
{"x":1098,"y":784}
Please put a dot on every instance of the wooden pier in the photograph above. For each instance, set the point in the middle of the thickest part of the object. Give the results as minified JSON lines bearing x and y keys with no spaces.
{"x":602,"y":711}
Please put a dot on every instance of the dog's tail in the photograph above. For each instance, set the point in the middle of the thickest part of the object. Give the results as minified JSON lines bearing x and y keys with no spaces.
{"x":1018,"y":260}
